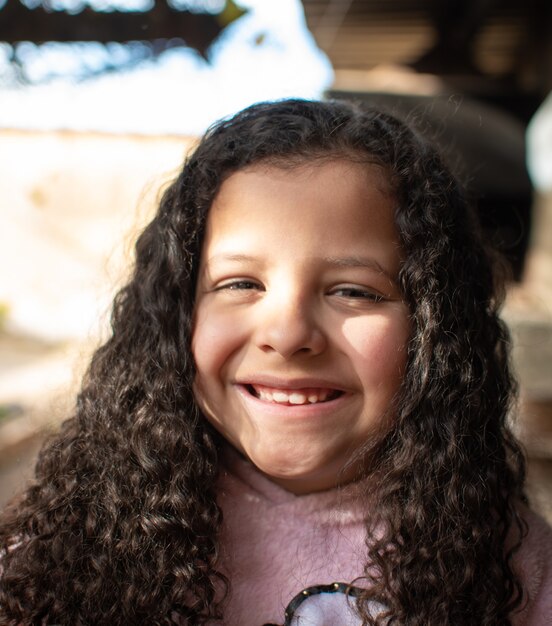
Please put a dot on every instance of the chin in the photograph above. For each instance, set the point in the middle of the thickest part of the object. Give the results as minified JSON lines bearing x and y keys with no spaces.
{"x":295,"y":475}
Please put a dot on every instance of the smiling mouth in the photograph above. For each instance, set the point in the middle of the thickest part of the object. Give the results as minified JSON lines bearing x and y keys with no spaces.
{"x":309,"y":395}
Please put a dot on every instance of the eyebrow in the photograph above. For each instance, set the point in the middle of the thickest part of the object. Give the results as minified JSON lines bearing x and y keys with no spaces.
{"x":237,"y":258}
{"x":348,"y":261}
{"x":356,"y":261}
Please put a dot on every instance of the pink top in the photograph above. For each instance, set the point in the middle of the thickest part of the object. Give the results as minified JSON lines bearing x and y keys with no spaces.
{"x":275,"y":544}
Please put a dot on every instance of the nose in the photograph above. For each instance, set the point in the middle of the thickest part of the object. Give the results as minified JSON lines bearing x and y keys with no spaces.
{"x":290,"y":328}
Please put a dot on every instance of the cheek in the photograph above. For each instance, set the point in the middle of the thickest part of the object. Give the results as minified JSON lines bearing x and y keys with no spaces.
{"x":208,"y":346}
{"x":377,"y":346}
{"x":212,"y":344}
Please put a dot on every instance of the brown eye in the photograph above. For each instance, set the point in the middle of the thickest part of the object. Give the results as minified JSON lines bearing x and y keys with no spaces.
{"x":357,"y":293}
{"x":238,"y":285}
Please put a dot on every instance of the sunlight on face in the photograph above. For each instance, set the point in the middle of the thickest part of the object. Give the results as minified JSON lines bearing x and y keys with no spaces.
{"x":300,"y":328}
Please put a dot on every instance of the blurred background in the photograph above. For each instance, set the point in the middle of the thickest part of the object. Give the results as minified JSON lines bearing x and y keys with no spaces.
{"x":100,"y":100}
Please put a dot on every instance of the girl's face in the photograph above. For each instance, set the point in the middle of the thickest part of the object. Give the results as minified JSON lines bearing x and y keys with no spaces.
{"x":300,"y":330}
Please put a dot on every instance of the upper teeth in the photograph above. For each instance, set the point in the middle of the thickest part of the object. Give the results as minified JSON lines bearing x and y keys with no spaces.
{"x":280,"y":396}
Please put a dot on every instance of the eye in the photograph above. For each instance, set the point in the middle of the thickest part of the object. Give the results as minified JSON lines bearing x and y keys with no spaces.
{"x":355,"y":292}
{"x":239,"y":284}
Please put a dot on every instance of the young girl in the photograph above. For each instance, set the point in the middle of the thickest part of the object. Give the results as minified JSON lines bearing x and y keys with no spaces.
{"x":300,"y":416}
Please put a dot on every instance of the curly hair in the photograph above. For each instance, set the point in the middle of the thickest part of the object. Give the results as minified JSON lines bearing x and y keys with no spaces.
{"x":120,"y":525}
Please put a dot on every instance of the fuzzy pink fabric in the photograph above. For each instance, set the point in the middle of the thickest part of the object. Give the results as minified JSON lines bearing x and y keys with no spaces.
{"x":275,"y":544}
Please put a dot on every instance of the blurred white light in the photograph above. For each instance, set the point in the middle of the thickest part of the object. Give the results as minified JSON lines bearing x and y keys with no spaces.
{"x":266,"y":54}
{"x":71,"y":6}
{"x":198,"y":6}
{"x":539,"y":147}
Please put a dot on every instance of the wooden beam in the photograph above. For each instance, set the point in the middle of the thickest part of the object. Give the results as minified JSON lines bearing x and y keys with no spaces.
{"x":198,"y":30}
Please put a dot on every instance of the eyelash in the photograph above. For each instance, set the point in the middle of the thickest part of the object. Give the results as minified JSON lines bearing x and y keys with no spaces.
{"x":240,"y":284}
{"x":354,"y":293}
{"x":357,"y":293}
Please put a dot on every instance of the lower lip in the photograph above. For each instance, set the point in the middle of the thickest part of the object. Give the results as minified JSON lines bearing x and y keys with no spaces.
{"x":316,"y":409}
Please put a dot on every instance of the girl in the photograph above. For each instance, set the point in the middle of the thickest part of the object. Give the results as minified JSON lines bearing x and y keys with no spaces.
{"x":300,"y":416}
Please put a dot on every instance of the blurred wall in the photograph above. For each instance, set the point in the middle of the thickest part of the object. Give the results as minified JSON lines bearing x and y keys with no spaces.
{"x":70,"y":205}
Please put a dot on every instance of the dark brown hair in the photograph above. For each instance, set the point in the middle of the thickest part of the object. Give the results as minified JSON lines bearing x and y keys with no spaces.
{"x":120,"y":524}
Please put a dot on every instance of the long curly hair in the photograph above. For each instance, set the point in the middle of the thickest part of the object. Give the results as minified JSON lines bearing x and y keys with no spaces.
{"x":120,"y":525}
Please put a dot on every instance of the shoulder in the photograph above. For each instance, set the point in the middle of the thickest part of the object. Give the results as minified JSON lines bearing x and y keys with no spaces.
{"x":534,"y":564}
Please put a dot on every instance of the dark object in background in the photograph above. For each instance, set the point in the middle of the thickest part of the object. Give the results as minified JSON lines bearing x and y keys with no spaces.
{"x":496,"y":54}
{"x":161,"y":27}
{"x":485,"y":147}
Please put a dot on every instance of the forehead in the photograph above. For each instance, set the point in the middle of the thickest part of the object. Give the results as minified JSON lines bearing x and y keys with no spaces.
{"x":327,"y":206}
{"x":349,"y":184}
{"x":353,"y":167}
